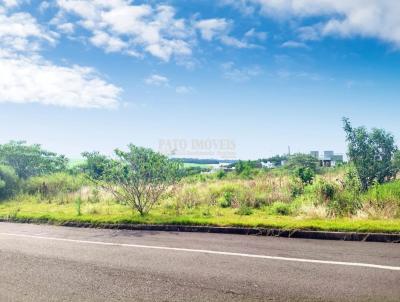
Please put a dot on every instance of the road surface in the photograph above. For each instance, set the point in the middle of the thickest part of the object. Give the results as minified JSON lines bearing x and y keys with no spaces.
{"x":49,"y":263}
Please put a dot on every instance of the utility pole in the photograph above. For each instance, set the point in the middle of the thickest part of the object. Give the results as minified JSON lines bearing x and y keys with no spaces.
{"x":289,"y":150}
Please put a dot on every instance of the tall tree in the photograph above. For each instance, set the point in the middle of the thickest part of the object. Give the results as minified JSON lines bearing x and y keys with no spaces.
{"x":372,"y":153}
{"x":31,"y":160}
{"x":8,"y":182}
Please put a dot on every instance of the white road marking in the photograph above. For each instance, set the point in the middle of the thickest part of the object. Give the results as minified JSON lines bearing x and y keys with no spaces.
{"x":357,"y":264}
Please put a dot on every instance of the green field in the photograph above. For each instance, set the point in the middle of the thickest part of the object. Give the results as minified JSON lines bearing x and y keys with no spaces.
{"x":189,"y":165}
{"x":112,"y":212}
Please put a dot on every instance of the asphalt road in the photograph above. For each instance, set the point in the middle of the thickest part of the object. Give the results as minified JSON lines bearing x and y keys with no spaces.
{"x":48,"y":263}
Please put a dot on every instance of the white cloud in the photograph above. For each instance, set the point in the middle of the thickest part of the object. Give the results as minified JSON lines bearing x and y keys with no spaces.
{"x":242,"y":5}
{"x":294,"y":44}
{"x":25,"y":77}
{"x":344,"y":18}
{"x":21,"y":32}
{"x":43,"y":6}
{"x":231,"y":41}
{"x":289,"y":74}
{"x":231,"y":72}
{"x":66,"y":28}
{"x":118,"y":25}
{"x":10,"y":3}
{"x":34,"y":80}
{"x":211,"y":28}
{"x":219,"y":29}
{"x":184,"y":89}
{"x":253,"y":34}
{"x":157,"y":80}
{"x":109,"y":43}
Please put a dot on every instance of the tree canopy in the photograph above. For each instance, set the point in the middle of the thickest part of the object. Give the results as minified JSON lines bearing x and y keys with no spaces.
{"x":137,"y":177}
{"x":372,"y":153}
{"x":8,"y":182}
{"x":300,"y":160}
{"x":31,"y":160}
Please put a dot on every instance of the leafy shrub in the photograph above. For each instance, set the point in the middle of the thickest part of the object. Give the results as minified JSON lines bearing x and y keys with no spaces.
{"x":244,"y":168}
{"x":54,"y":184}
{"x":221,"y":174}
{"x":296,"y":188}
{"x":225,"y":201}
{"x":244,"y":210}
{"x":305,"y":174}
{"x":233,"y":195}
{"x":351,"y":181}
{"x":280,"y":208}
{"x":344,"y":204}
{"x":9,"y":182}
{"x":325,"y":190}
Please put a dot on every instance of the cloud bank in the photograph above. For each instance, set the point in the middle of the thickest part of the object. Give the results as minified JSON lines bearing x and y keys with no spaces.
{"x":26,"y":77}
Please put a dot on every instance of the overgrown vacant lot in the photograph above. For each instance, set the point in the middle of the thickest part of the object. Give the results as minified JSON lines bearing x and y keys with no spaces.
{"x":140,"y":185}
{"x":262,"y":199}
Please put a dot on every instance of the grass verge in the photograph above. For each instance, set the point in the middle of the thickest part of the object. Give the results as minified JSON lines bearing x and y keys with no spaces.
{"x":205,"y":216}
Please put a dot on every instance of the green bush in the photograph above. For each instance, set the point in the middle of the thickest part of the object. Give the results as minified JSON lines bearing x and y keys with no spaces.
{"x":325,"y":190}
{"x":233,"y":195}
{"x":221,"y":174}
{"x":305,"y":174}
{"x":351,"y":181}
{"x":280,"y":208}
{"x":9,"y":182}
{"x":343,"y":205}
{"x":386,"y":196}
{"x":244,"y":169}
{"x":225,"y":201}
{"x":296,"y":188}
{"x":389,"y":192}
{"x":54,"y":184}
{"x":244,"y":210}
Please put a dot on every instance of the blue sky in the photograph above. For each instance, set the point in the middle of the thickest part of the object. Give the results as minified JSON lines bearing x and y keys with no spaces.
{"x":96,"y":75}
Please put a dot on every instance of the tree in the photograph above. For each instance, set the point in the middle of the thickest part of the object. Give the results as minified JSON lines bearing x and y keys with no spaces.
{"x":300,"y":160}
{"x":396,"y":161}
{"x":95,"y":164}
{"x":31,"y":160}
{"x":137,"y":177}
{"x":371,"y":153}
{"x":305,"y":174}
{"x":8,"y":182}
{"x":243,"y":168}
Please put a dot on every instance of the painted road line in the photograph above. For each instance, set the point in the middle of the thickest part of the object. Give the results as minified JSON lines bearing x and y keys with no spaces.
{"x":354,"y":264}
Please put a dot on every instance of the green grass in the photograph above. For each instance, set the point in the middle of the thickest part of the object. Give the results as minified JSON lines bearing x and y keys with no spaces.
{"x":215,"y":216}
{"x":191,"y":165}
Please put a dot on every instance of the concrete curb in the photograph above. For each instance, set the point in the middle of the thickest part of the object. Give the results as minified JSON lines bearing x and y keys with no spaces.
{"x":303,"y":234}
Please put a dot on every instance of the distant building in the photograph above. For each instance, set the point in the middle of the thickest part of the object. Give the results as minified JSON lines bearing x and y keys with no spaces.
{"x":315,"y":154}
{"x":267,"y":165}
{"x":329,"y":158}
